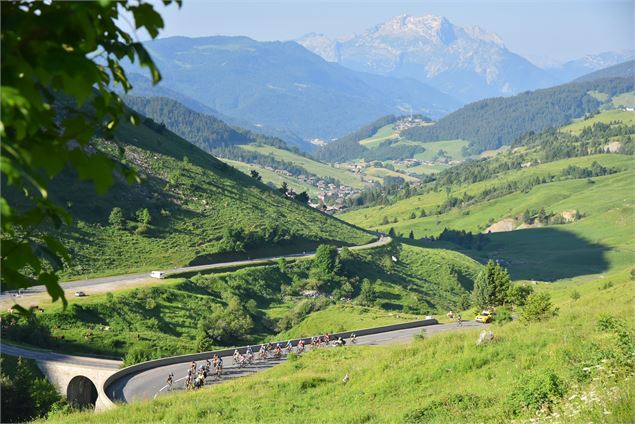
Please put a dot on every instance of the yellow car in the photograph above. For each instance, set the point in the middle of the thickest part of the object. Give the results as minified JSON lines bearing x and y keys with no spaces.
{"x":484,"y":317}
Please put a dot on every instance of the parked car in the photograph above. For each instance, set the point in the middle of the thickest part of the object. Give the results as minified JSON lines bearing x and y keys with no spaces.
{"x":157,"y":274}
{"x":80,"y":294}
{"x":484,"y":317}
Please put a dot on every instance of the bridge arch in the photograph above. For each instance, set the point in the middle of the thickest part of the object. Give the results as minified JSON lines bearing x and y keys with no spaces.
{"x":81,"y":392}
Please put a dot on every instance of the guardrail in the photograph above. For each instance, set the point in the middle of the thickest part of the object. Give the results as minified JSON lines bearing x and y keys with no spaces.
{"x":156,"y":363}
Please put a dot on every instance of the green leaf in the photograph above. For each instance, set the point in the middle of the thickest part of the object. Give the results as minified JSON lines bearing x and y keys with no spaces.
{"x":50,"y":280}
{"x":146,"y":16}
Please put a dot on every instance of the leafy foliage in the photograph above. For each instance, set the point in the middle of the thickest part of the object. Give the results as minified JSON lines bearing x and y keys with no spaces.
{"x":26,"y":394}
{"x":538,"y":307}
{"x":56,"y":95}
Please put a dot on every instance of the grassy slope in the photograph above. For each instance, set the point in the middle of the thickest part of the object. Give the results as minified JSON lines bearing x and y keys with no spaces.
{"x":313,"y":166}
{"x":191,"y":203}
{"x":273,"y":177}
{"x":380,"y":173}
{"x":445,"y":378}
{"x":452,"y":147}
{"x":597,"y":242}
{"x":382,"y":134}
{"x":344,"y":317}
{"x":626,"y":99}
{"x":626,"y":117}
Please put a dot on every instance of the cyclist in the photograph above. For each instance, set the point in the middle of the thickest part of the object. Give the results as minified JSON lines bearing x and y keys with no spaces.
{"x":170,"y":381}
{"x":289,"y":347}
{"x":353,"y":338}
{"x":219,"y":367}
{"x":300,"y":346}
{"x":459,"y":321}
{"x":262,"y":353}
{"x":277,"y":352}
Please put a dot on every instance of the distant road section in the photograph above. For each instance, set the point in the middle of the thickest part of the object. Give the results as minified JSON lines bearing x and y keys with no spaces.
{"x":106,"y":284}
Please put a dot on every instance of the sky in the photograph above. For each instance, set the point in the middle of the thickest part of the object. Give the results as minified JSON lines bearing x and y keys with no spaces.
{"x":541,"y":30}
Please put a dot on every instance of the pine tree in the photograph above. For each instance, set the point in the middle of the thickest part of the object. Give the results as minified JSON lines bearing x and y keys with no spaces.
{"x":491,"y":286}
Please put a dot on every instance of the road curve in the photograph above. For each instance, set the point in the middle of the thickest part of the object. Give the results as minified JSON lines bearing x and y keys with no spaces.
{"x":139,"y":278}
{"x":149,"y":384}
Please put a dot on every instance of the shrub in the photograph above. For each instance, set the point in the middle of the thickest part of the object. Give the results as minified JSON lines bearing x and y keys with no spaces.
{"x":606,"y":285}
{"x":517,"y":295}
{"x":143,"y":216}
{"x":116,"y":218}
{"x":367,"y":295}
{"x":536,"y":390}
{"x":503,"y":316}
{"x":575,"y":295}
{"x":538,"y":308}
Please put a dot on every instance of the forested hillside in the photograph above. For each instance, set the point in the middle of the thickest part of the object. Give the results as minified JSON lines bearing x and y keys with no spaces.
{"x":492,"y":123}
{"x":623,"y":70}
{"x":205,"y":131}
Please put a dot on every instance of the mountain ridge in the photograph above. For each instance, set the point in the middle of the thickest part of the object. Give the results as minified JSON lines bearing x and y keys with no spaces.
{"x":282,"y":84}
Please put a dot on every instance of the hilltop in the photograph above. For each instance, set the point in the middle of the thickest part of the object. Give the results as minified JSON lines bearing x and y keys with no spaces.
{"x":189,"y":208}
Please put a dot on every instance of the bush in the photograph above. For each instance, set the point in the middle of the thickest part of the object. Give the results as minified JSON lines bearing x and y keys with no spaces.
{"x":503,"y":316}
{"x":116,"y":218}
{"x":538,"y":308}
{"x":517,"y":295}
{"x":575,"y":295}
{"x":367,"y":295}
{"x":536,"y":391}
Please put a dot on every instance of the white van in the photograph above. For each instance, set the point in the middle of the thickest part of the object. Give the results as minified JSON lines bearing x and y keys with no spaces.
{"x":157,"y":274}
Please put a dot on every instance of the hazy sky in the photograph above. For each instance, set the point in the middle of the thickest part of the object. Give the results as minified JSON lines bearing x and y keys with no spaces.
{"x":539,"y":29}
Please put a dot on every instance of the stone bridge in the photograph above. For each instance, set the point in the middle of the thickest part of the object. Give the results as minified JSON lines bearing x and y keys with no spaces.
{"x":80,"y":379}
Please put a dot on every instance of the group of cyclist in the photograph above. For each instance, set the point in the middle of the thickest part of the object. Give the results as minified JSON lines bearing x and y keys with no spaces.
{"x":196,"y":375}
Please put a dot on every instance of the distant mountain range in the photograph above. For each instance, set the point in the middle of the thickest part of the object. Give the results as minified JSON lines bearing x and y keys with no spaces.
{"x":282,"y":85}
{"x":468,"y":63}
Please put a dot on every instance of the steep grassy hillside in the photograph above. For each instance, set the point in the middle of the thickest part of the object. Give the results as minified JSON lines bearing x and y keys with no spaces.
{"x":197,"y":206}
{"x":576,"y":367}
{"x":261,"y":301}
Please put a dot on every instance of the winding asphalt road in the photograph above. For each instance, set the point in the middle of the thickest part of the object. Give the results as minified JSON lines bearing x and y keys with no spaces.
{"x":151,"y":383}
{"x":122,"y":281}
